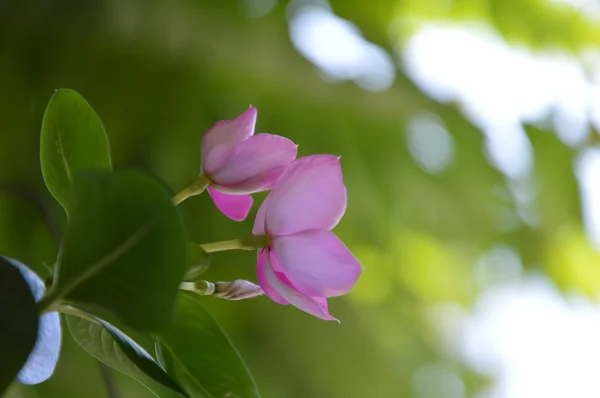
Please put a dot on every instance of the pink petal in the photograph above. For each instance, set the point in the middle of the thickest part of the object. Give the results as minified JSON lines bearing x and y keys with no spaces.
{"x":316,"y":306}
{"x":258,"y":183}
{"x":235,"y":207}
{"x":259,"y":221}
{"x":253,"y":162}
{"x":310,"y":194}
{"x":316,"y":263}
{"x":223,"y":137}
{"x":264,"y":282}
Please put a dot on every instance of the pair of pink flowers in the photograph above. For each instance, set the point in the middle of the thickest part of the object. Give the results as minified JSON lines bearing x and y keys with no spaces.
{"x":304,"y":263}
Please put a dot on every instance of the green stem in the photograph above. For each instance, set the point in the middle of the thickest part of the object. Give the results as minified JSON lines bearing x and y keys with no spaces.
{"x":195,"y":188}
{"x":248,"y":243}
{"x":203,"y":288}
{"x":234,"y":244}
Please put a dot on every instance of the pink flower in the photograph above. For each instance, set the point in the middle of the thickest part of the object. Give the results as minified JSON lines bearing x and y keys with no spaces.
{"x":237,"y":163}
{"x":305,"y":263}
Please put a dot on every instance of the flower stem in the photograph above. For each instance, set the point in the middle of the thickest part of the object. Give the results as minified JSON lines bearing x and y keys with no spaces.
{"x":203,"y":288}
{"x":249,"y":243}
{"x":234,"y":244}
{"x":195,"y":188}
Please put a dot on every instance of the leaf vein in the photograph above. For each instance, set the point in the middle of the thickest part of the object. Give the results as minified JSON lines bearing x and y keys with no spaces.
{"x":62,"y":152}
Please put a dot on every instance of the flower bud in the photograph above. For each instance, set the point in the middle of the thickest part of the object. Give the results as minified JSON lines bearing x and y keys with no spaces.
{"x":237,"y":290}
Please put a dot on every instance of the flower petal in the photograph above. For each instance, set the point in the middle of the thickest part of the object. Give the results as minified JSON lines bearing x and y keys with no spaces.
{"x":316,"y":306}
{"x":235,"y":207}
{"x":258,"y":183}
{"x":316,"y":263}
{"x":223,"y":137}
{"x":253,"y":161}
{"x":259,"y":221}
{"x":264,"y":282}
{"x":310,"y":194}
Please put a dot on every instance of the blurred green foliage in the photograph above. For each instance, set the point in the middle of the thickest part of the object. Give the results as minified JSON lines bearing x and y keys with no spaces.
{"x":159,"y":73}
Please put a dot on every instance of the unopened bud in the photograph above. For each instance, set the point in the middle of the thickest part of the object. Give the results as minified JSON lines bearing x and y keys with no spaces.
{"x":237,"y":290}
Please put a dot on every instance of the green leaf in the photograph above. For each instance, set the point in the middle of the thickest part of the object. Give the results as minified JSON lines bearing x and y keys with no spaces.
{"x":198,"y":262}
{"x":196,"y":352}
{"x":124,"y":251}
{"x":18,"y":320}
{"x":72,"y":139}
{"x":111,"y":346}
{"x":43,"y":359}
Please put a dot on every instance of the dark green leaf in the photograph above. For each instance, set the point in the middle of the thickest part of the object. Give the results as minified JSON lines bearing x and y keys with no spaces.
{"x":18,"y":320}
{"x":72,"y":139}
{"x":42,"y":361}
{"x":124,"y":251}
{"x":198,"y":262}
{"x":111,"y":346}
{"x":197,"y":353}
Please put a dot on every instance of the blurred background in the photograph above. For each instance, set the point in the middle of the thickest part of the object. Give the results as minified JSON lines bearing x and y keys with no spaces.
{"x":469,"y":142}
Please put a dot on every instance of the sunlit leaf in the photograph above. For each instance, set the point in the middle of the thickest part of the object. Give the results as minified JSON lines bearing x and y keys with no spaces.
{"x":19,"y":321}
{"x":124,"y":251}
{"x":429,"y":269}
{"x":197,"y":353}
{"x":72,"y":139}
{"x":43,"y":359}
{"x":572,"y":261}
